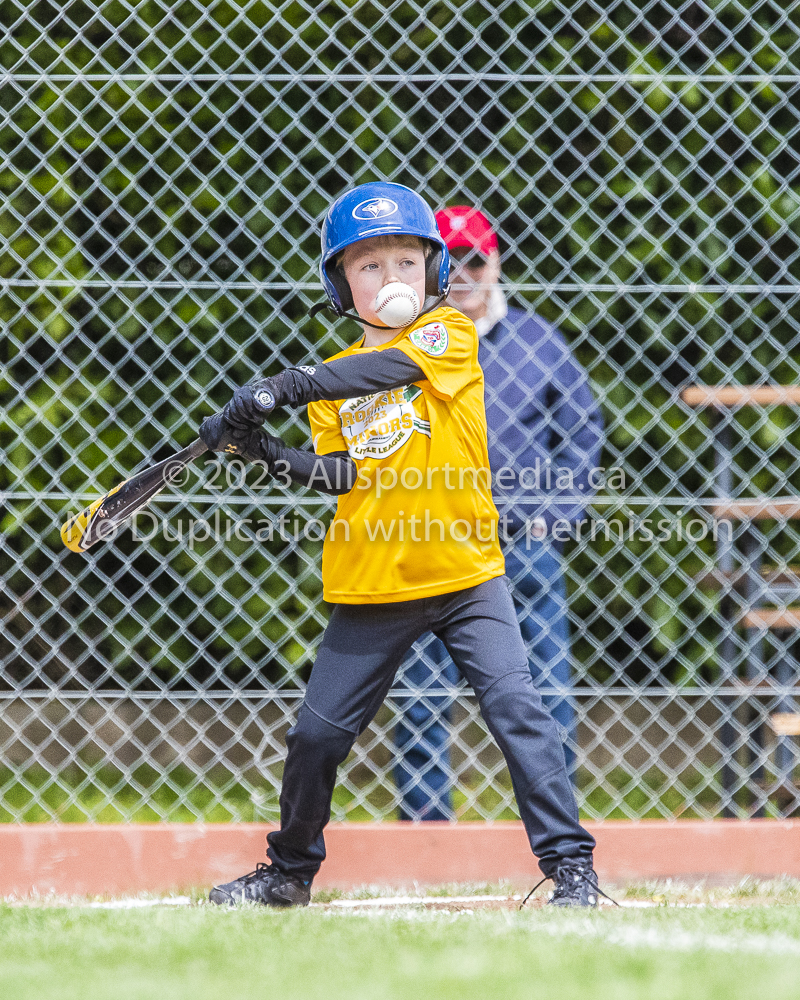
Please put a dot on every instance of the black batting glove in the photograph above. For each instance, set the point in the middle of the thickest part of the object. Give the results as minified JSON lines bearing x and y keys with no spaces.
{"x":252,"y":444}
{"x":251,"y":405}
{"x":219,"y":435}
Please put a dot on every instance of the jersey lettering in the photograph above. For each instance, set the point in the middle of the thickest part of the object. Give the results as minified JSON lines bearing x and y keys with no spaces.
{"x":377,"y":426}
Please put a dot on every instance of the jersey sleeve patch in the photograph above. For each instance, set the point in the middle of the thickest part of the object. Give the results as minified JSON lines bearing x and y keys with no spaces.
{"x":431,"y":338}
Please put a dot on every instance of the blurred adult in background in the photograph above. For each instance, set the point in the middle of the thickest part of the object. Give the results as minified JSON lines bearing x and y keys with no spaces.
{"x":542,"y":418}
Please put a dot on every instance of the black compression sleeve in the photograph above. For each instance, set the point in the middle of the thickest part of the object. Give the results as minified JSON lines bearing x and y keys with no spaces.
{"x":334,"y":473}
{"x":344,"y":378}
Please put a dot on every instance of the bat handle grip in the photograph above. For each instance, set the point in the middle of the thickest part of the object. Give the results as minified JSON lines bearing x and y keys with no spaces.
{"x":196,"y":448}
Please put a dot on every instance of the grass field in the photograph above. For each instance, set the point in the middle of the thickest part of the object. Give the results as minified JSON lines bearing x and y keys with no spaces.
{"x":668,"y":943}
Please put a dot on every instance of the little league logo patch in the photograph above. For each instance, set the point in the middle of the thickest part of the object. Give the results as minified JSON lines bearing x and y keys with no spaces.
{"x":431,"y":338}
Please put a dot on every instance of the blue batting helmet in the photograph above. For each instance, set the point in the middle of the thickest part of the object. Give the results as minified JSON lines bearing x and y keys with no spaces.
{"x":379,"y":209}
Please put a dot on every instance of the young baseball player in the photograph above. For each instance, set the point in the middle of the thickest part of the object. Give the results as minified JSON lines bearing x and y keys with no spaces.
{"x":399,"y":434}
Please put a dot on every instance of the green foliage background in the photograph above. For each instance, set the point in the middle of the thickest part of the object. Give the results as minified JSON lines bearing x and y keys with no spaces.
{"x":196,"y":175}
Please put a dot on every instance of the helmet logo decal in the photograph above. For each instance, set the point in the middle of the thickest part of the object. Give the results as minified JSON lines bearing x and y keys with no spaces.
{"x":375,"y":208}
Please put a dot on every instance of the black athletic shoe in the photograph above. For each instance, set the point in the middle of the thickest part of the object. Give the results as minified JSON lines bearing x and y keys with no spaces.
{"x":576,"y":885}
{"x":266,"y":885}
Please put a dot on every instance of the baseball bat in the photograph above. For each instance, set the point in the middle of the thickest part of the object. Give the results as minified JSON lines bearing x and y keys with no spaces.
{"x":103,"y":517}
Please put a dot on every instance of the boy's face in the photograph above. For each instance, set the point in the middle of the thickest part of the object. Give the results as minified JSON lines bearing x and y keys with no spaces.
{"x":371,"y":264}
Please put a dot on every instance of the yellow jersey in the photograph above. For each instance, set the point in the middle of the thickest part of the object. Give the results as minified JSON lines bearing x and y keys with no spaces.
{"x":420,"y":520}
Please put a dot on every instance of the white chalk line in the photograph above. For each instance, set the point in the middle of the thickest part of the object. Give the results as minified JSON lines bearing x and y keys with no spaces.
{"x":391,"y":901}
{"x":387,"y":901}
{"x":135,"y":904}
{"x":373,"y":902}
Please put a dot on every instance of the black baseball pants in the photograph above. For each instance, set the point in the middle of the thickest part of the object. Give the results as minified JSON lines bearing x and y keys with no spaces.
{"x":361,"y":650}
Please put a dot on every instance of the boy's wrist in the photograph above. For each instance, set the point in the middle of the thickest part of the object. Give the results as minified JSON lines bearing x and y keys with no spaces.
{"x":251,"y":404}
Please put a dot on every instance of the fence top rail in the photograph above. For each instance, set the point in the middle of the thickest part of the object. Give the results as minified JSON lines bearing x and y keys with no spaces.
{"x":724,"y":689}
{"x":547,"y":288}
{"x":477,"y":77}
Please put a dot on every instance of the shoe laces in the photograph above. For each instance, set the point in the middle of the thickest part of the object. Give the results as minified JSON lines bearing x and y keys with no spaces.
{"x":266,"y":871}
{"x":263,"y":871}
{"x":569,"y":873}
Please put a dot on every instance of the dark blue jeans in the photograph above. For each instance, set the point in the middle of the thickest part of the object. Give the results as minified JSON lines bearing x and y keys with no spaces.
{"x":423,"y":772}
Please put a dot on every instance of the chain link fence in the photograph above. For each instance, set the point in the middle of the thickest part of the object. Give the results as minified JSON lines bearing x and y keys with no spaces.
{"x":165,"y":167}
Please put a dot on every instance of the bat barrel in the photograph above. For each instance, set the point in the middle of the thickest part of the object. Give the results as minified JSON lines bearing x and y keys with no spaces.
{"x":104,"y":516}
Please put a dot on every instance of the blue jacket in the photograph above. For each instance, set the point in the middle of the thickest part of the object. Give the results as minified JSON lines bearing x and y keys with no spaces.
{"x":538,"y":406}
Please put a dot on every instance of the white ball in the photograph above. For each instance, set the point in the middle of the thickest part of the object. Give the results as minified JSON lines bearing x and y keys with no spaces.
{"x":397,"y":304}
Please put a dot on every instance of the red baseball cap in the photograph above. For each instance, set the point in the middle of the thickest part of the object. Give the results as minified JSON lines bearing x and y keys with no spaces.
{"x":465,"y":226}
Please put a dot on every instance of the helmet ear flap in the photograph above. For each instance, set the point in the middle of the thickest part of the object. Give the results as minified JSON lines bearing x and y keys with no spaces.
{"x":342,"y":288}
{"x":433,"y":265}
